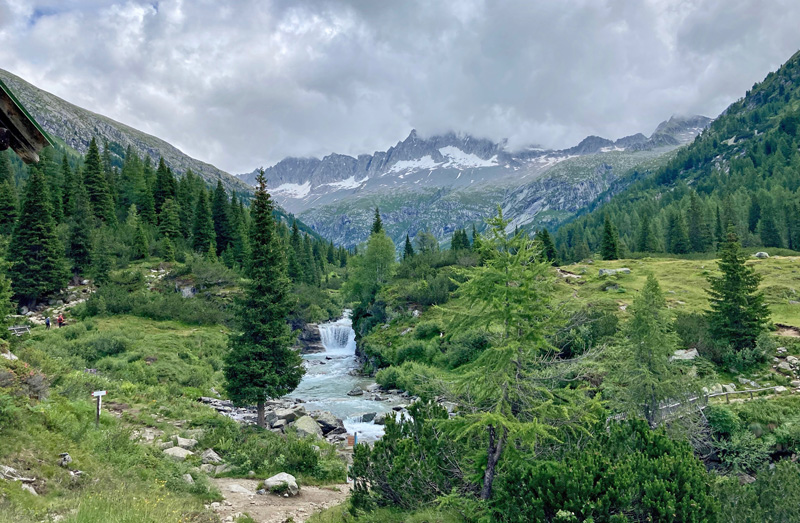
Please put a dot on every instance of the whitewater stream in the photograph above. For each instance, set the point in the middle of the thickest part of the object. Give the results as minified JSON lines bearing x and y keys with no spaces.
{"x":331,"y":374}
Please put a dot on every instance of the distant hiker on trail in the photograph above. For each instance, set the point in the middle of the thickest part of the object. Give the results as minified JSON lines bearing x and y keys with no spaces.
{"x":47,"y":323}
{"x":60,"y":320}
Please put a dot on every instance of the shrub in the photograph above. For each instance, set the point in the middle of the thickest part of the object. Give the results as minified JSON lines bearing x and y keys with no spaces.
{"x":722,"y":420}
{"x":743,"y":451}
{"x":413,"y":351}
{"x":465,"y":347}
{"x":427,"y":329}
{"x":774,"y":498}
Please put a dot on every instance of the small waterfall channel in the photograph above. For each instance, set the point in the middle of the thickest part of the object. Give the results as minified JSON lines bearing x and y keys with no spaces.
{"x":331,"y":374}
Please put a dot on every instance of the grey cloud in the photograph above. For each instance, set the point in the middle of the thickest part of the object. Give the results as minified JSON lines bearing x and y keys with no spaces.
{"x":245,"y":83}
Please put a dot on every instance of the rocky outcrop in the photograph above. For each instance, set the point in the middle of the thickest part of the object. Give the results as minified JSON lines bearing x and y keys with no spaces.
{"x":309,"y":341}
{"x":306,"y":426}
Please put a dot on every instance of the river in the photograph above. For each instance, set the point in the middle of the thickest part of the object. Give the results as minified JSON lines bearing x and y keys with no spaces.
{"x":331,"y":374}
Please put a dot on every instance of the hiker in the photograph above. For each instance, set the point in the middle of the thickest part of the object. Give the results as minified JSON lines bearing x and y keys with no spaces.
{"x":47,"y":323}
{"x":60,"y":320}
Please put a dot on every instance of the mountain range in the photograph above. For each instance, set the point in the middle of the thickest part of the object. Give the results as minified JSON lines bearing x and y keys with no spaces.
{"x":444,"y":182}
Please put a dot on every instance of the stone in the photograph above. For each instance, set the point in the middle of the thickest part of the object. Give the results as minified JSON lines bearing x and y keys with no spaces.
{"x":195,"y":433}
{"x":8,"y":356}
{"x":188,"y":479}
{"x":209,"y":456}
{"x":785,"y":367}
{"x":29,"y":489}
{"x":11,"y":474}
{"x":238,"y":489}
{"x":261,"y":492}
{"x":65,"y":460}
{"x":306,"y":426}
{"x":793,"y":360}
{"x":290,"y":414}
{"x":369,"y":416}
{"x":222,"y":469}
{"x":281,"y":482}
{"x":374,"y":388}
{"x":746,"y":479}
{"x":279,"y":424}
{"x":380,"y":419}
{"x":795,"y":384}
{"x":745,"y":381}
{"x":178,"y":453}
{"x":164,"y":445}
{"x":761,"y":255}
{"x":356,"y":391}
{"x":730,"y":387}
{"x":779,"y":389}
{"x":781,"y":350}
{"x":689,"y":354}
{"x":310,"y":341}
{"x":624,"y":270}
{"x":329,"y":423}
{"x":207,"y":468}
{"x":185,"y":443}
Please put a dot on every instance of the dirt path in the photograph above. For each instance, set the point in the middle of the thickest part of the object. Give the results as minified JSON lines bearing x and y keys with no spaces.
{"x":240,"y":497}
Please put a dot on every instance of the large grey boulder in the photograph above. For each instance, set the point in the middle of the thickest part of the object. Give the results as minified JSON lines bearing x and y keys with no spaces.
{"x":356,"y":391}
{"x":329,"y":423}
{"x":306,"y":426}
{"x":290,"y":414}
{"x":178,"y":453}
{"x":689,"y":354}
{"x":280,"y":483}
{"x":209,"y":456}
{"x":785,"y":367}
{"x":185,"y":443}
{"x":761,"y":255}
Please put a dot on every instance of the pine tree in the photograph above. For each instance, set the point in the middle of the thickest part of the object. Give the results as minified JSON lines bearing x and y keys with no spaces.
{"x":203,"y":230}
{"x":331,"y":254}
{"x":768,"y":229}
{"x":408,"y":250}
{"x":547,"y":246}
{"x":134,"y":224}
{"x":169,"y":249}
{"x":8,"y":205}
{"x":609,"y":246}
{"x":96,"y":184}
{"x":738,"y":313}
{"x":377,"y":224}
{"x":718,"y":229}
{"x":110,"y":172}
{"x":646,"y":241}
{"x":164,"y":187}
{"x":754,"y":214}
{"x":220,"y":214}
{"x":80,"y":230}
{"x":102,"y":261}
{"x":296,"y":269}
{"x":7,"y":306}
{"x":699,"y":232}
{"x":580,"y":249}
{"x":677,"y":235}
{"x":38,"y":267}
{"x":68,"y":187}
{"x":261,"y":363}
{"x":169,"y":222}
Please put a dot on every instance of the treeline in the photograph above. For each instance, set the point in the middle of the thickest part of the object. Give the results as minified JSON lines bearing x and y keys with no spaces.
{"x":80,"y":217}
{"x":743,"y":171}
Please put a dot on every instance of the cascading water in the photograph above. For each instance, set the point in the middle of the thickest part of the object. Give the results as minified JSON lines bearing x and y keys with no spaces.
{"x":331,"y":374}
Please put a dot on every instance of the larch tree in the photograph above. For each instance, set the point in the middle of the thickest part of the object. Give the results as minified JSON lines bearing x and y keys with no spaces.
{"x":38,"y":267}
{"x":261,"y":363}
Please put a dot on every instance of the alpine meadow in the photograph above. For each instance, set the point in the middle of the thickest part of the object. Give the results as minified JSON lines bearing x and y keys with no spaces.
{"x":505,"y":316}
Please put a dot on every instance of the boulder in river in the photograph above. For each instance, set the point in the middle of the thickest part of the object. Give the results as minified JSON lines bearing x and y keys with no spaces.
{"x":306,"y":426}
{"x":369,"y":416}
{"x":356,"y":392}
{"x":329,"y":423}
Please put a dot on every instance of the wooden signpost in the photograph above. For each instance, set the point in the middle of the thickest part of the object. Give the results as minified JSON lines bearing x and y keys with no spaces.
{"x":99,"y":395}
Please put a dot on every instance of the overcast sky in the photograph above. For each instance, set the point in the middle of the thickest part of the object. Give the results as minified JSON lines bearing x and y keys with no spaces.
{"x":245,"y":83}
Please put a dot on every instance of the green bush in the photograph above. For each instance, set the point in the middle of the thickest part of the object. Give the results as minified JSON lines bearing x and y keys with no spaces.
{"x":722,"y":420}
{"x":788,"y":435}
{"x":773,"y":498}
{"x":465,"y":347}
{"x":413,"y":351}
{"x":743,"y":451}
{"x":427,"y":329}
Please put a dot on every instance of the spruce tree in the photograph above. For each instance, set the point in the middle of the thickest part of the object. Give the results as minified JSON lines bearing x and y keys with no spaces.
{"x":67,"y":189}
{"x":261,"y":363}
{"x":646,"y":241}
{"x":768,"y":229}
{"x":220,"y":214}
{"x":81,"y":223}
{"x":94,"y":179}
{"x":609,"y":246}
{"x":136,"y":230}
{"x":738,"y":313}
{"x":8,"y":205}
{"x":677,"y":236}
{"x":38,"y":267}
{"x":377,"y":224}
{"x":753,"y":214}
{"x":548,"y":247}
{"x":203,"y":230}
{"x":169,"y":224}
{"x":408,"y":250}
{"x":165,"y":187}
{"x":699,"y":232}
{"x":7,"y":306}
{"x":102,"y":261}
{"x":331,"y":254}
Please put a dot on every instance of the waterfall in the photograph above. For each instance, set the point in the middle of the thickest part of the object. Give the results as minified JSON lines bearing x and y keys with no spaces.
{"x":338,"y":337}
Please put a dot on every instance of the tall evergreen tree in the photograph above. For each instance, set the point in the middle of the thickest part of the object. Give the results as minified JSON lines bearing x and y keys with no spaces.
{"x":81,"y":223}
{"x":768,"y":228}
{"x":408,"y":250}
{"x":169,"y":224}
{"x":38,"y":267}
{"x":738,"y":313}
{"x":203,"y":230}
{"x":165,"y":187}
{"x":547,"y":246}
{"x":94,"y":179}
{"x":609,"y":246}
{"x":220,"y":214}
{"x":699,"y":232}
{"x":136,"y":230}
{"x":677,"y":236}
{"x":68,"y":186}
{"x":580,"y":248}
{"x":377,"y":224}
{"x":296,"y":269}
{"x":646,"y":241}
{"x":110,"y":172}
{"x":8,"y":195}
{"x":261,"y":363}
{"x":753,"y":214}
{"x":719,"y":231}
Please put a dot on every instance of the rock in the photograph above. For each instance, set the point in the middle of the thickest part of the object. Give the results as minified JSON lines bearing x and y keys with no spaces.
{"x":745,"y":381}
{"x":795,"y":384}
{"x":329,"y":423}
{"x":310,"y":341}
{"x":356,"y":392}
{"x":261,"y":492}
{"x":398,"y":408}
{"x":282,"y":482}
{"x":164,"y":445}
{"x":611,"y":272}
{"x":188,"y":479}
{"x":785,"y":367}
{"x":730,"y":387}
{"x":689,"y":354}
{"x":306,"y":426}
{"x":374,"y":388}
{"x":222,"y":469}
{"x":380,"y":419}
{"x":195,"y":433}
{"x":209,"y":456}
{"x":23,"y":310}
{"x":185,"y":443}
{"x":779,"y":389}
{"x":238,"y":489}
{"x":290,"y":414}
{"x":624,"y":270}
{"x":65,"y":460}
{"x":793,"y":360}
{"x":378,"y":397}
{"x":11,"y":474}
{"x":761,"y":255}
{"x":8,"y":356}
{"x":178,"y":453}
{"x":369,"y":416}
{"x":781,"y":350}
{"x":29,"y":488}
{"x":279,"y":424}
{"x":746,"y":479}
{"x":207,"y":468}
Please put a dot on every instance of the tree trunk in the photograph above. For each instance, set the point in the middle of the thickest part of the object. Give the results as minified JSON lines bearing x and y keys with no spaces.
{"x":495,"y":449}
{"x":262,"y":422}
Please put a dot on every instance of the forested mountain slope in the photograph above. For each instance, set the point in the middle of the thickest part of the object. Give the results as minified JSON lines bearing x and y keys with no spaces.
{"x":744,"y":170}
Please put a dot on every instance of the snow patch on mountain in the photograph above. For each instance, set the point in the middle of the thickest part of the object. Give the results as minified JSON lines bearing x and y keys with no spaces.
{"x":426,"y":162}
{"x":349,"y":183}
{"x":458,"y":159}
{"x":292,"y":190}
